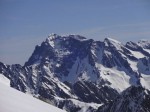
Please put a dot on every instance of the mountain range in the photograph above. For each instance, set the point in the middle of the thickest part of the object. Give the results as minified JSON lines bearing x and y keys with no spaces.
{"x":78,"y":74}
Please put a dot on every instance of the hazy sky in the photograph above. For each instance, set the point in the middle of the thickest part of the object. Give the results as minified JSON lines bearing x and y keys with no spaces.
{"x":26,"y":23}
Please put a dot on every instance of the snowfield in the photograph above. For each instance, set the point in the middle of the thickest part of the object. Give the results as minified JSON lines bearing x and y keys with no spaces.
{"x":12,"y":100}
{"x":4,"y":80}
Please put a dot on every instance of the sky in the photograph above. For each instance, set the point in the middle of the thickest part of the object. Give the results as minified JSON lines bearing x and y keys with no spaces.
{"x":26,"y":23}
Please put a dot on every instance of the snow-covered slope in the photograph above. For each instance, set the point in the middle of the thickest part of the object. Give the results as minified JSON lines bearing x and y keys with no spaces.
{"x":12,"y":100}
{"x":4,"y":80}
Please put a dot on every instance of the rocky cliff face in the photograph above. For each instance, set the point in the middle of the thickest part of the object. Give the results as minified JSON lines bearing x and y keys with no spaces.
{"x":133,"y":99}
{"x":79,"y":74}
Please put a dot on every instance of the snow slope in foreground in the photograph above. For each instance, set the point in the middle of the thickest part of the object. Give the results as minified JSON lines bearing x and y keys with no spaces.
{"x":4,"y":80}
{"x":12,"y":100}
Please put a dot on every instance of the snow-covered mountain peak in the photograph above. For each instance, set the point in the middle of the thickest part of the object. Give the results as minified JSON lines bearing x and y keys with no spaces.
{"x":130,"y":43}
{"x":144,"y":43}
{"x":111,"y":42}
{"x":66,"y":69}
{"x":52,"y":36}
{"x":77,"y":37}
{"x":55,"y":39}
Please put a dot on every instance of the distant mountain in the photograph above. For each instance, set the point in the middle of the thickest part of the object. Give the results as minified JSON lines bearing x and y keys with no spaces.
{"x":79,"y":74}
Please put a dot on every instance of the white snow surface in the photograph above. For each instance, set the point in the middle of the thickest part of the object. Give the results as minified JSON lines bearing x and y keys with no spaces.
{"x":137,"y":54}
{"x":119,"y":80}
{"x":4,"y":80}
{"x":147,"y":50}
{"x":85,"y":106}
{"x":12,"y":100}
{"x":145,"y":81}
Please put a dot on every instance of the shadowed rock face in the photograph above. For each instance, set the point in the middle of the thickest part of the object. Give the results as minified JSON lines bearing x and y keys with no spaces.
{"x":133,"y":99}
{"x":71,"y":71}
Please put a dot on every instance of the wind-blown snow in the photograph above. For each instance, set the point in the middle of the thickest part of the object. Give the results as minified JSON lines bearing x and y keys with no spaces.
{"x":12,"y":100}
